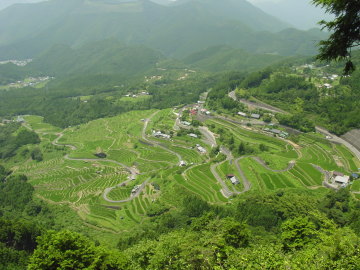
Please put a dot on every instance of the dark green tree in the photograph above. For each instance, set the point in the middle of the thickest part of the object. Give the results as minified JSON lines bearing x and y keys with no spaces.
{"x":345,"y":31}
{"x":70,"y":250}
{"x":36,"y":154}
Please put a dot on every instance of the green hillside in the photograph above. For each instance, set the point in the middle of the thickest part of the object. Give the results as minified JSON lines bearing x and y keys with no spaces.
{"x":103,"y":57}
{"x":223,"y":58}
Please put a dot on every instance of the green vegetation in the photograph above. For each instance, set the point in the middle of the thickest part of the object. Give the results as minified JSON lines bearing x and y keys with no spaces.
{"x":103,"y":173}
{"x":13,"y":137}
{"x":311,"y":92}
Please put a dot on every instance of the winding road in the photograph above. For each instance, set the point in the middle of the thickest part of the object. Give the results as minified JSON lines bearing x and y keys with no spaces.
{"x":331,"y":137}
{"x":133,"y":172}
{"x":225,"y":190}
{"x":133,"y":196}
{"x":262,"y":163}
{"x":144,"y":138}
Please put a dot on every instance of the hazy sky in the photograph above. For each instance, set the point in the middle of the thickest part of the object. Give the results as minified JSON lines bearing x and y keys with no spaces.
{"x":299,"y":13}
{"x":6,"y":3}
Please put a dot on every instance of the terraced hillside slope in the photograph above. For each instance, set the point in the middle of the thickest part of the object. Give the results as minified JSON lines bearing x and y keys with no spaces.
{"x":115,"y":171}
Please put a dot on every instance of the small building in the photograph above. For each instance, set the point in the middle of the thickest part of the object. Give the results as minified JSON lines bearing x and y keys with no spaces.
{"x":343,"y":180}
{"x":182,"y":163}
{"x":201,"y":102}
{"x":335,"y":174}
{"x":193,"y":112}
{"x":159,"y":134}
{"x":255,"y":116}
{"x":242,"y":114}
{"x":192,"y":135}
{"x":234,"y":180}
{"x":135,"y":189}
{"x":6,"y":121}
{"x":201,"y":149}
{"x":20,"y":119}
{"x":275,"y":131}
{"x":229,"y":176}
{"x":185,"y":123}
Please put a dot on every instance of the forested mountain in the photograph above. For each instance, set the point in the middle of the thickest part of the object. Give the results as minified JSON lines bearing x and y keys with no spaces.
{"x":102,"y":57}
{"x":26,"y":30}
{"x":220,"y":58}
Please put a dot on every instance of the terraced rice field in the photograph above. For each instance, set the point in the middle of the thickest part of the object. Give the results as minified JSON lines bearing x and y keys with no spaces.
{"x":200,"y":180}
{"x":81,"y":183}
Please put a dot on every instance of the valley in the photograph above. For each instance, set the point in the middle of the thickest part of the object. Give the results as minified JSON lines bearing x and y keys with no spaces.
{"x":178,"y":134}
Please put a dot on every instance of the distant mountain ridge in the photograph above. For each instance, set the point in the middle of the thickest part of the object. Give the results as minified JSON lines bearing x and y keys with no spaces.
{"x":175,"y":30}
{"x":102,"y":57}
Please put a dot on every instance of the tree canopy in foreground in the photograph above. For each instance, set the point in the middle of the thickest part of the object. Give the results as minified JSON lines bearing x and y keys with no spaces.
{"x":345,"y":30}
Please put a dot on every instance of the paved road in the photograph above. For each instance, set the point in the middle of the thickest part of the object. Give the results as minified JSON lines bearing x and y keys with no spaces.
{"x":133,"y":172}
{"x":144,"y":138}
{"x":56,"y":142}
{"x":246,"y":182}
{"x":257,"y":104}
{"x":132,"y":196}
{"x":353,"y":137}
{"x":322,"y":130}
{"x":225,"y":189}
{"x":336,"y":139}
{"x":262,"y":162}
{"x":209,"y":137}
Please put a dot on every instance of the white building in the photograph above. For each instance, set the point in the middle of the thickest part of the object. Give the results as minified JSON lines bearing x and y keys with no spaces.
{"x":344,"y":180}
{"x":135,"y":189}
{"x":185,"y":123}
{"x":159,"y":134}
{"x":234,"y":180}
{"x":201,"y":149}
{"x":182,"y":163}
{"x":242,"y":114}
{"x":192,"y":135}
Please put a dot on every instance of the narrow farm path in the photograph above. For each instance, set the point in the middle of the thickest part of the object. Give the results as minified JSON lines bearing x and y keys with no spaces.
{"x":262,"y":163}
